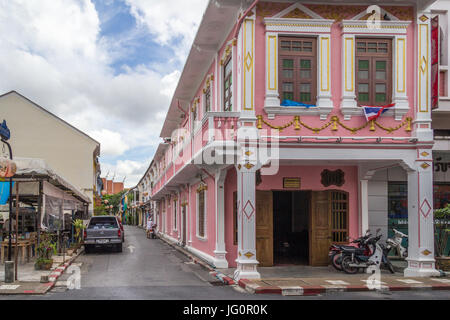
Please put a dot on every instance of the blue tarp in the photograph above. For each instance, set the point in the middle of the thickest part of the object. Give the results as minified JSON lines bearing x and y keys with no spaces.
{"x":4,"y":192}
{"x":290,"y":103}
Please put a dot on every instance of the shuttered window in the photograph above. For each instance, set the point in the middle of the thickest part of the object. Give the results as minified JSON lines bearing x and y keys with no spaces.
{"x":235,"y":219}
{"x":374,"y":71}
{"x":228,"y":85}
{"x":339,"y":216}
{"x":208,"y":99}
{"x":298,"y":69}
{"x":201,"y":214}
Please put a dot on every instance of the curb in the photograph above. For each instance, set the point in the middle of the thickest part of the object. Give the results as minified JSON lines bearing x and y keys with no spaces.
{"x":317,"y":290}
{"x":219,"y":275}
{"x":53,"y":277}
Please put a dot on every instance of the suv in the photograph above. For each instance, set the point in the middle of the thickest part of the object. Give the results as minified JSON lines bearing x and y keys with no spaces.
{"x":103,"y":231}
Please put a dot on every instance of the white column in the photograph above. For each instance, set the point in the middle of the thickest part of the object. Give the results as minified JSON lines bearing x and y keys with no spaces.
{"x":364,"y":205}
{"x":421,"y":261}
{"x":400,"y":97}
{"x":348,"y":77}
{"x":246,"y":190}
{"x":272,"y":95}
{"x":220,"y":252}
{"x":324,"y":79}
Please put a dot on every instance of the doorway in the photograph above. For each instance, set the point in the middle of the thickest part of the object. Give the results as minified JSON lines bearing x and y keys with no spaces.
{"x":291,"y":227}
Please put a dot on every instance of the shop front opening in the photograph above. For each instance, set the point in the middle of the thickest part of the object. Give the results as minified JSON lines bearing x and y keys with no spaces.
{"x":291,"y":227}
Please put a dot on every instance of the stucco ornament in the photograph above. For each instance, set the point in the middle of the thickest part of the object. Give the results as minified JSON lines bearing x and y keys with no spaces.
{"x":8,"y":168}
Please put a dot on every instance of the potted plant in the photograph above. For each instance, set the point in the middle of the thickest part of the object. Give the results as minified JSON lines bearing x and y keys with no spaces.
{"x":45,"y":251}
{"x":79,"y":227}
{"x":441,"y":236}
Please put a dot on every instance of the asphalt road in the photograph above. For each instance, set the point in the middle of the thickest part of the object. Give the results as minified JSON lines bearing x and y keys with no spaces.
{"x":150,"y":269}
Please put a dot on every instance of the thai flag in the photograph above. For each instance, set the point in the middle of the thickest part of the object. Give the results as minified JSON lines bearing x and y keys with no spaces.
{"x":372,"y":113}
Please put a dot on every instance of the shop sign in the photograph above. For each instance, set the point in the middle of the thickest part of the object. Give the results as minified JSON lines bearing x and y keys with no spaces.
{"x":291,"y":183}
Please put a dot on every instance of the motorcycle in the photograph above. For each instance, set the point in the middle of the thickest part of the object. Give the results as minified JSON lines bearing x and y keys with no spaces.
{"x":152,"y":231}
{"x":354,"y":259}
{"x":396,"y":244}
{"x":335,"y":253}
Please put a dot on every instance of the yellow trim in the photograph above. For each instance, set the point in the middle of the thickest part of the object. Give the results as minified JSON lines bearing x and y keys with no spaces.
{"x":346,"y":64}
{"x":328,"y":64}
{"x":404,"y":65}
{"x":275,"y":42}
{"x":248,"y":69}
{"x":425,"y":70}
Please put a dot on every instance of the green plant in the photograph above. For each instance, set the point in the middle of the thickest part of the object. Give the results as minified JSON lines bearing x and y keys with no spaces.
{"x":79,"y":227}
{"x":441,"y":229}
{"x":46,"y":248}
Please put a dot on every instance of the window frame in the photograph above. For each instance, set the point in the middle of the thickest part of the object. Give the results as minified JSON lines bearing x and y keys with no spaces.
{"x":372,"y":81}
{"x":334,"y":207}
{"x":296,"y":56}
{"x":225,"y":78}
{"x":199,"y":235}
{"x":175,"y":217}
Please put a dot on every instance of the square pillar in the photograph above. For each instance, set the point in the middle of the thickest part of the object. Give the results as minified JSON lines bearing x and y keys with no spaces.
{"x":246,"y":190}
{"x":220,"y":260}
{"x":420,"y":259}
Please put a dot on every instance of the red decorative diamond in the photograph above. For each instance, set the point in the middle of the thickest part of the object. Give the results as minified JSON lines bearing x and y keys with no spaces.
{"x":249,"y":209}
{"x":425,"y":208}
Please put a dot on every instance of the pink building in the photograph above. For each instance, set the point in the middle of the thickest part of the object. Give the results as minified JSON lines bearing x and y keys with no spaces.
{"x":268,"y":155}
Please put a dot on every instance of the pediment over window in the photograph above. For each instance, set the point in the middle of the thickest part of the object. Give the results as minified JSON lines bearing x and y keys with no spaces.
{"x":297,"y":11}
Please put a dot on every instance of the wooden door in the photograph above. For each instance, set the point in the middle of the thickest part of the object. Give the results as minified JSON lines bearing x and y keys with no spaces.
{"x":319,"y":228}
{"x":184,"y":224}
{"x":264,"y":228}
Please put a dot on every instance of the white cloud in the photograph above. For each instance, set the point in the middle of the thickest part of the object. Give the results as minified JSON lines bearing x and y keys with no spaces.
{"x":52,"y":52}
{"x":112,"y":143}
{"x":129,"y":170}
{"x":169,"y":20}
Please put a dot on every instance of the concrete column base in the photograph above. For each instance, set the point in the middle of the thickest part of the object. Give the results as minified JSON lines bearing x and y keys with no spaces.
{"x":9,"y":272}
{"x":246,"y":270}
{"x":421,"y":268}
{"x":219,"y":260}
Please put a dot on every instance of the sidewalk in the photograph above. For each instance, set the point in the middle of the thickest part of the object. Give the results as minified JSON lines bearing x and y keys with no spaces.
{"x":29,"y":278}
{"x":305,"y":280}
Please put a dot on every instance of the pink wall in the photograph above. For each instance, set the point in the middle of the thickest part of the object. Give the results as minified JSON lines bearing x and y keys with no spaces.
{"x":230,"y":187}
{"x":208,"y":246}
{"x":336,"y":88}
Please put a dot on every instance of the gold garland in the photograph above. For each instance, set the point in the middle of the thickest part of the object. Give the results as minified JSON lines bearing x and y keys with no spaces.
{"x":335,"y":122}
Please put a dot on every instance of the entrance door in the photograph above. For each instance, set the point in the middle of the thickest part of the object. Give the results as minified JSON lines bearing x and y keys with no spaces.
{"x":320,"y":228}
{"x":264,"y":228}
{"x":183,"y":213}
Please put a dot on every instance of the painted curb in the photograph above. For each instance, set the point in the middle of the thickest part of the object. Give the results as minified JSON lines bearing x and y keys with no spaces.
{"x":317,"y":290}
{"x":53,"y":277}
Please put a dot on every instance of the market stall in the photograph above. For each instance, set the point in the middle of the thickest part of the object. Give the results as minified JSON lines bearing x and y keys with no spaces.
{"x":46,"y":202}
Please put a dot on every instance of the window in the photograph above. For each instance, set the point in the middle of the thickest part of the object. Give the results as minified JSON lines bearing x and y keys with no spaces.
{"x":374,"y":71}
{"x":228,"y":85}
{"x":339,"y":216}
{"x":235,"y":219}
{"x":298,"y":69}
{"x":208,"y":99}
{"x":201,"y":214}
{"x":175,"y":223}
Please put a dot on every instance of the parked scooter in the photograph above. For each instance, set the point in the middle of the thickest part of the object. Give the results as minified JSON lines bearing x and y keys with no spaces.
{"x":335,"y":253}
{"x":396,"y":244}
{"x":152,"y":231}
{"x":354,"y":259}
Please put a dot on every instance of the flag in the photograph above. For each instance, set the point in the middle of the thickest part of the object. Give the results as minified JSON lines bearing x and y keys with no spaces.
{"x":372,"y":113}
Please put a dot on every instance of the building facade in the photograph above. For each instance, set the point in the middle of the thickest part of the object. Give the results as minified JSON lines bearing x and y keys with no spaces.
{"x":37,"y":133}
{"x":269,"y":154}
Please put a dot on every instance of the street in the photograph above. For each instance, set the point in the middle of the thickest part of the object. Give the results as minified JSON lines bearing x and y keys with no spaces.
{"x":152,"y":270}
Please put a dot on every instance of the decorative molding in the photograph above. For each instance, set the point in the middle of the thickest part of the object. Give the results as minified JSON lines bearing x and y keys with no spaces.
{"x":309,"y":26}
{"x":361,"y":26}
{"x":228,"y":51}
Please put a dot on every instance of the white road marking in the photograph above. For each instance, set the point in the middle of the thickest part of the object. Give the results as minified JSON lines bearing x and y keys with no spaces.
{"x":9,"y":287}
{"x":132,"y":248}
{"x":338,"y":282}
{"x":441,"y":280}
{"x":409,"y":281}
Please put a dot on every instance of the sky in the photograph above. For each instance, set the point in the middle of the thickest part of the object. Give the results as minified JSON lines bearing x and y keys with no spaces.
{"x":108,"y":67}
